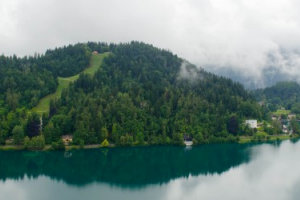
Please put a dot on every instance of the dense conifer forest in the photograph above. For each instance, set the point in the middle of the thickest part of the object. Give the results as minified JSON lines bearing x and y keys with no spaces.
{"x":283,"y":94}
{"x":140,"y":95}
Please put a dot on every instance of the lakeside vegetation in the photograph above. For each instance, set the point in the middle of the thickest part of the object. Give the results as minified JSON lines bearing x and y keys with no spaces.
{"x":241,"y":140}
{"x":266,"y":138}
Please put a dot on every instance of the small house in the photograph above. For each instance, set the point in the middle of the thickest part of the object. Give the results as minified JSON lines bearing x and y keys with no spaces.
{"x":95,"y":52}
{"x":67,"y":139}
{"x":252,"y":123}
{"x":291,"y":116}
{"x":285,"y":128}
{"x":274,"y":118}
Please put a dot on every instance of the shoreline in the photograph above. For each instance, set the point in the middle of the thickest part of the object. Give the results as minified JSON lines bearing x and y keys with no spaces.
{"x":269,"y":138}
{"x":242,"y":140}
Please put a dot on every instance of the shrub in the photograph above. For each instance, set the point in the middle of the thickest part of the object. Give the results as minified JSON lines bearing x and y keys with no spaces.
{"x":105,"y":143}
{"x":59,"y":145}
{"x":3,"y":136}
{"x":126,"y":140}
{"x":35,"y":143}
{"x":81,"y":143}
{"x":178,"y":139}
{"x":18,"y":134}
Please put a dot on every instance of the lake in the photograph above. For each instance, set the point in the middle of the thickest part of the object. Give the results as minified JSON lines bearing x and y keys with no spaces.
{"x":218,"y":171}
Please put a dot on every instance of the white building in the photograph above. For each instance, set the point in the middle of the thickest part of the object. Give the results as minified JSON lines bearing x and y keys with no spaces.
{"x":252,"y":123}
{"x":291,"y":116}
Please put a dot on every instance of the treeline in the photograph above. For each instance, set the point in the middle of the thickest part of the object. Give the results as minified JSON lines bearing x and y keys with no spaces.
{"x":66,"y":61}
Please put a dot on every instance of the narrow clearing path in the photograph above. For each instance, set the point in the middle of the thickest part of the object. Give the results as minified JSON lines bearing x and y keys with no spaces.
{"x":64,"y":82}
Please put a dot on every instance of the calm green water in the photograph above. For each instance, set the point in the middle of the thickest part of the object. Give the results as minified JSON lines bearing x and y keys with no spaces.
{"x":229,"y":171}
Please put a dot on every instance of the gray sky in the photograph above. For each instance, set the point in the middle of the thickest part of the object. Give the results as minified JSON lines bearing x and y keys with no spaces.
{"x":247,"y":35}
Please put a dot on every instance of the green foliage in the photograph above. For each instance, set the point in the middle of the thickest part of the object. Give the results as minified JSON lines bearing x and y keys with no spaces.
{"x":59,"y":145}
{"x":198,"y":139}
{"x":126,"y":140}
{"x":81,"y":143}
{"x":260,"y":135}
{"x":276,"y":126}
{"x":3,"y":137}
{"x":18,"y":134}
{"x":295,"y":126}
{"x":140,"y":138}
{"x":35,"y":143}
{"x":50,"y":133}
{"x":114,"y":133}
{"x":23,"y":82}
{"x":66,"y":61}
{"x":105,"y":143}
{"x":283,"y":94}
{"x":296,"y":108}
{"x":33,"y":125}
{"x":268,"y":129}
{"x":104,"y":134}
{"x":178,"y":138}
{"x":233,"y":125}
{"x":27,"y":142}
{"x":246,"y":130}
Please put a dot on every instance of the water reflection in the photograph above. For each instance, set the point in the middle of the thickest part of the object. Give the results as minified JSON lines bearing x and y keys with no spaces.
{"x":125,"y":167}
{"x":272,"y":173}
{"x":229,"y":171}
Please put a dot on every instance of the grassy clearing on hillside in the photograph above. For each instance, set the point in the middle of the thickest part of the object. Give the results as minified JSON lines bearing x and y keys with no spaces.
{"x":63,"y":82}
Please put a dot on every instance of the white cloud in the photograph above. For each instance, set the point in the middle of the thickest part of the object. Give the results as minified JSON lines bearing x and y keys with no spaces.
{"x":240,"y":34}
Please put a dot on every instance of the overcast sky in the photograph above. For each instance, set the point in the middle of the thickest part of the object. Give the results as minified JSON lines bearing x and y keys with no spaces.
{"x":248,"y":35}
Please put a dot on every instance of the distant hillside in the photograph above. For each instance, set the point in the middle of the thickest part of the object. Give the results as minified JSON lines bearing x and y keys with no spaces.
{"x":270,"y":76}
{"x":283,"y":94}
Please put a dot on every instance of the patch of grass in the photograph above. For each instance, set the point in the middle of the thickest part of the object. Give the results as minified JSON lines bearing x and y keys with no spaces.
{"x":281,"y":112}
{"x":11,"y":147}
{"x":64,"y":82}
{"x":244,"y":139}
{"x":248,"y":139}
{"x":279,"y":137}
{"x":95,"y":63}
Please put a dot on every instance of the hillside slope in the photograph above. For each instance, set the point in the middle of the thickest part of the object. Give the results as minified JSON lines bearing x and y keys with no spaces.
{"x":64,"y":82}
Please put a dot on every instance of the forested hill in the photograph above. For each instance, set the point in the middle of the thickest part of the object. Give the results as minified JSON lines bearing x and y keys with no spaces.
{"x":140,"y":95}
{"x":23,"y":81}
{"x":283,"y":94}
